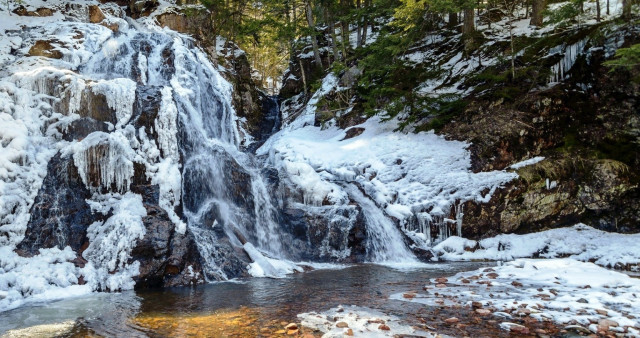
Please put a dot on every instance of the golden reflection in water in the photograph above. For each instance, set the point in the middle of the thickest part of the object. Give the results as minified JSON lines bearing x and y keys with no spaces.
{"x":242,"y":322}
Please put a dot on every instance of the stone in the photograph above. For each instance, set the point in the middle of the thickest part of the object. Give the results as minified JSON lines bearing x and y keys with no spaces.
{"x":451,"y":320}
{"x":516,"y":284}
{"x":384,"y":327}
{"x":42,"y":11}
{"x":342,"y":325}
{"x":293,"y":332}
{"x":519,"y":329}
{"x":95,"y":14}
{"x":601,"y":312}
{"x":476,"y":305}
{"x":577,"y":329}
{"x":353,"y":132}
{"x":483,"y":312}
{"x":441,"y":280}
{"x":492,"y":275}
{"x":441,"y":285}
{"x":349,"y":332}
{"x":375,"y":321}
{"x":605,"y":324}
{"x":291,"y":326}
{"x":408,"y":295}
{"x":46,"y":49}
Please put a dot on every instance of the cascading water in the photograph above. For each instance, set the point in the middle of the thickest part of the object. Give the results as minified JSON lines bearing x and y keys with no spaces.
{"x":384,"y":242}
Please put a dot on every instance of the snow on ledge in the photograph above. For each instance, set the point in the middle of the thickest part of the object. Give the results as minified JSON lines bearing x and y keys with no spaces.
{"x":580,"y":242}
{"x":527,"y":162}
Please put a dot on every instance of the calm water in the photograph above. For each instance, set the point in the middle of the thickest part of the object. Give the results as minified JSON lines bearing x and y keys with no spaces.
{"x":250,"y":307}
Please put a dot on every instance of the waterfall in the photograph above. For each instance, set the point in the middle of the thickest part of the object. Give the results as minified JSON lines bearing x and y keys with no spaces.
{"x":384,"y":241}
{"x":199,"y":163}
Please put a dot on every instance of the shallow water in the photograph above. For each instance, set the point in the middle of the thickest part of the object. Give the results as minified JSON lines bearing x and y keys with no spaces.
{"x":250,"y":307}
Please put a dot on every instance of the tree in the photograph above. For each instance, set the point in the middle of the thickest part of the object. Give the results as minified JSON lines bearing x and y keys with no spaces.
{"x":536,"y":12}
{"x":312,"y":35}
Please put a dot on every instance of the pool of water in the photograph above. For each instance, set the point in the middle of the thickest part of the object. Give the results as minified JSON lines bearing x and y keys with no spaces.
{"x":249,"y":307}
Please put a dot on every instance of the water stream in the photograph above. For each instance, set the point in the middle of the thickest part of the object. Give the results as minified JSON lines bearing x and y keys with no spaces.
{"x":240,"y":308}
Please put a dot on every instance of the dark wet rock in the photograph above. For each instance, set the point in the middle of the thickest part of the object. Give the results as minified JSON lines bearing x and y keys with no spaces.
{"x":167,"y":258}
{"x":353,"y":132}
{"x":60,"y":214}
{"x":318,"y":232}
{"x":80,"y":128}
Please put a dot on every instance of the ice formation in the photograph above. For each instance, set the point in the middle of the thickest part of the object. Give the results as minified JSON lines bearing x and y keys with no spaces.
{"x":41,"y":97}
{"x":416,"y":180}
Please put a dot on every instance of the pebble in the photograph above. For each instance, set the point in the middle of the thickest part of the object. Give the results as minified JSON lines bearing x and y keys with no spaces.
{"x":383,"y":327}
{"x":483,"y":312}
{"x":516,"y":284}
{"x":441,"y":280}
{"x":293,"y":332}
{"x":441,"y":285}
{"x":408,"y":295}
{"x":291,"y":326}
{"x":342,"y":325}
{"x":492,"y":275}
{"x":349,"y":332}
{"x":577,"y":328}
{"x":601,"y":312}
{"x":476,"y":305}
{"x":605,"y":324}
{"x":451,"y":320}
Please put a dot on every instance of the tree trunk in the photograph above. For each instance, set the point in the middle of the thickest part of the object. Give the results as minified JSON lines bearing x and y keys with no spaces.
{"x":626,"y":9}
{"x":304,"y":78}
{"x":314,"y":41}
{"x":607,"y":7}
{"x":598,"y":10}
{"x":453,"y":19}
{"x":536,"y":13}
{"x":359,"y":29}
{"x":469,"y":24}
{"x":334,"y":39}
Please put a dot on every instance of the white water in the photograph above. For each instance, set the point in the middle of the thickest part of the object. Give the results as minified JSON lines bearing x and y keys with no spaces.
{"x":384,"y":242}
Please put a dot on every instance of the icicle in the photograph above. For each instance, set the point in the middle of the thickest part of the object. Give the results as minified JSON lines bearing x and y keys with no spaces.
{"x":571,"y":53}
{"x":104,"y":160}
{"x":459,"y":216}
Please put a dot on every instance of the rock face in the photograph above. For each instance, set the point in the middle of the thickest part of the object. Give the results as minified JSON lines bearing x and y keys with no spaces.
{"x":589,"y":139}
{"x":60,"y":214}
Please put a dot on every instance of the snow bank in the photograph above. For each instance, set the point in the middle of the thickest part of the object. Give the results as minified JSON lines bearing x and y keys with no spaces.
{"x":361,"y":321}
{"x":562,"y":290}
{"x":579,"y":242}
{"x":47,"y":276}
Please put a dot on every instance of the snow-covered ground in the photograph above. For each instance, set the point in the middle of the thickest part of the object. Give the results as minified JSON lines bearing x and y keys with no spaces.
{"x":579,"y":242}
{"x":565,"y":291}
